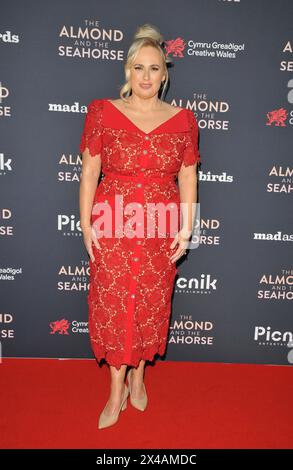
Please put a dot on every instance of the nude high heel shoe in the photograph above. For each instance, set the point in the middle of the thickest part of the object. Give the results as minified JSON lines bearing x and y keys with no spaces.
{"x":105,"y":420}
{"x":138,"y":403}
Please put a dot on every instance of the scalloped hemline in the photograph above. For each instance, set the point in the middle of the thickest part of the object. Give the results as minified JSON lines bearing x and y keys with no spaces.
{"x":116,"y":358}
{"x":192,"y":161}
{"x":94,"y":150}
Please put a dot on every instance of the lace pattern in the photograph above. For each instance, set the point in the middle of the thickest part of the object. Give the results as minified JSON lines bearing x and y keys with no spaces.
{"x":91,"y":137}
{"x":191,"y":153}
{"x":132,"y":279}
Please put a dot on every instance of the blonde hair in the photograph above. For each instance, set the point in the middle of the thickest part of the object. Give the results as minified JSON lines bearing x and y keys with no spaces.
{"x":145,"y":35}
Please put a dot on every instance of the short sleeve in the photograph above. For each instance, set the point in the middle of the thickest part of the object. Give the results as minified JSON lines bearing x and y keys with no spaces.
{"x":91,"y":137}
{"x":191,"y":153}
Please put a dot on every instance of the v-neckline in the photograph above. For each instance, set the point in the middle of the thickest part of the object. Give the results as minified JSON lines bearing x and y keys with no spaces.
{"x":140,"y":130}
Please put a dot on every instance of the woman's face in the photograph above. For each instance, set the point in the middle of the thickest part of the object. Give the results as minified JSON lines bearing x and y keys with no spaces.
{"x":147,"y":72}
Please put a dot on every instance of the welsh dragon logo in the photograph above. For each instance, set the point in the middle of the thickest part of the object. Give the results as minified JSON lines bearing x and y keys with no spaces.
{"x":60,"y":326}
{"x":277,"y":117}
{"x":175,"y":47}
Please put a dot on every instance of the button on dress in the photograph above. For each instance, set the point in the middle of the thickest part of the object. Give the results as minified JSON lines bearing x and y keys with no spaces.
{"x":132,"y":278}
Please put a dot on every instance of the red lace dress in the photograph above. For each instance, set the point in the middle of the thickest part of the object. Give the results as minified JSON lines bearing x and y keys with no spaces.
{"x":132,"y":279}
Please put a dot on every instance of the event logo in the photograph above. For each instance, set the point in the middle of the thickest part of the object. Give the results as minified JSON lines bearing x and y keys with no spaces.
{"x":276,"y":237}
{"x":62,"y":326}
{"x":5,"y":215}
{"x":215,"y":178}
{"x":67,"y":108}
{"x":74,"y":278}
{"x":59,"y":326}
{"x":286,"y":65}
{"x":70,"y":168}
{"x":9,"y":37}
{"x":6,"y":332}
{"x":214,"y":50}
{"x":69,"y":225}
{"x":91,"y":41}
{"x":284,"y":182}
{"x":186,"y":330}
{"x":265,"y":336}
{"x":208,"y":232}
{"x":204,"y":284}
{"x":5,"y":165}
{"x":276,"y":286}
{"x":211,"y":113}
{"x":4,"y":93}
{"x":277,"y":117}
{"x":175,"y":47}
{"x":9,"y":274}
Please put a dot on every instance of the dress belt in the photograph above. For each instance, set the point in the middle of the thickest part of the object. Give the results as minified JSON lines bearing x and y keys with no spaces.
{"x":139,"y":178}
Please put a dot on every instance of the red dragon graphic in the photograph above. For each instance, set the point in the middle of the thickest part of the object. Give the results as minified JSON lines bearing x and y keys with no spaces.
{"x":61,"y":326}
{"x":278,"y":117}
{"x":175,"y":47}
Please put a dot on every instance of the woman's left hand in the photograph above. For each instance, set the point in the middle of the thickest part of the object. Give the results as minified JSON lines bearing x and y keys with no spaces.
{"x":183,"y":241}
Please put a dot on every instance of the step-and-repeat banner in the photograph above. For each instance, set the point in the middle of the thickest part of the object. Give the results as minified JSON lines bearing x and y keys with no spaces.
{"x":232,"y":65}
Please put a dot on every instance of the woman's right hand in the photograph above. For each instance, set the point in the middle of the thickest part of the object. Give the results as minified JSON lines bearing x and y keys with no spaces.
{"x":89,"y":237}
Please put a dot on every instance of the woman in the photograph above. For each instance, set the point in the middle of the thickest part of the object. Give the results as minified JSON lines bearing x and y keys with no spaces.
{"x":141,"y":143}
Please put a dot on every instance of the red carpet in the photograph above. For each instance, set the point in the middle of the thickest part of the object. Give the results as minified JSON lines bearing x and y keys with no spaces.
{"x":49,"y":403}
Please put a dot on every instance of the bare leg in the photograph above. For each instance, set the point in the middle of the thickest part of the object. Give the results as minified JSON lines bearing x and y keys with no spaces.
{"x":137,"y":376}
{"x":117,"y":390}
